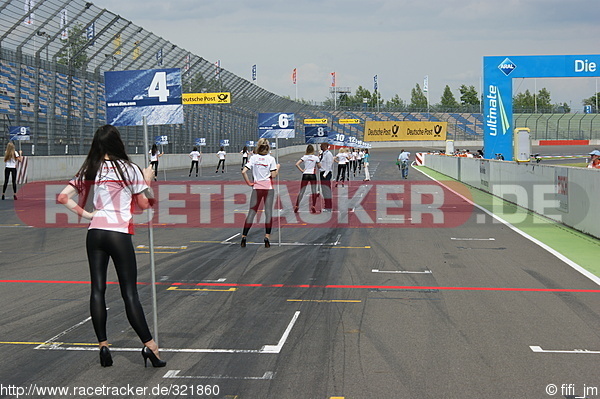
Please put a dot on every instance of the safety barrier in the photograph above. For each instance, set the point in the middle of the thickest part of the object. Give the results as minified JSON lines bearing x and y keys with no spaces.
{"x":568,"y":195}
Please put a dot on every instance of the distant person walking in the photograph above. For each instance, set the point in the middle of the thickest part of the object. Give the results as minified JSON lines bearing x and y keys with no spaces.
{"x":264,"y":168}
{"x":117,"y":185}
{"x":11,"y":158}
{"x":402,"y":163}
{"x":221,"y":156}
{"x":154,"y":155}
{"x":245,"y":155}
{"x":309,"y":176}
{"x":195,"y":156}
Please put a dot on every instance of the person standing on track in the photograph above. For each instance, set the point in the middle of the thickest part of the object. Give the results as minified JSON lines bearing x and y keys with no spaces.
{"x":154,"y":155}
{"x":365,"y":158}
{"x":11,"y":157}
{"x":117,"y":184}
{"x":245,"y":156}
{"x":309,"y":176}
{"x":195,"y":156}
{"x":594,"y":162}
{"x":221,"y":156}
{"x":326,"y":161}
{"x":342,"y":160}
{"x":264,"y":168}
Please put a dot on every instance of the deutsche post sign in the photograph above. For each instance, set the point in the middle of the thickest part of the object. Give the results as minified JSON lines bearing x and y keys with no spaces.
{"x":206,"y":98}
{"x":405,"y":131}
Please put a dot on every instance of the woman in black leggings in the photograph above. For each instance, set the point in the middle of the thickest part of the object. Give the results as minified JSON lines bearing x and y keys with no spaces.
{"x":117,"y":183}
{"x":11,"y":157}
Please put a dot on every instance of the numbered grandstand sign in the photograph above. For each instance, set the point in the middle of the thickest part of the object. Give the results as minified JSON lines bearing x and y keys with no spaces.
{"x":338,"y":139}
{"x":200,"y":141}
{"x":316,"y":134}
{"x":351,"y":141}
{"x":161,"y":140}
{"x":224,"y":142}
{"x":250,"y":143}
{"x":18,"y":133}
{"x":153,"y":93}
{"x":276,"y":125}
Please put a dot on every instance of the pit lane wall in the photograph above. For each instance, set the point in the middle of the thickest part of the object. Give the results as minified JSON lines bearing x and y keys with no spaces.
{"x":64,"y":167}
{"x":568,"y":195}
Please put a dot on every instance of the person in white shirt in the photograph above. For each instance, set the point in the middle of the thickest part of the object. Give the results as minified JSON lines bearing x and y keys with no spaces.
{"x":403,"y":163}
{"x":195,"y":156}
{"x":309,"y":176}
{"x":11,"y":157}
{"x":117,"y":185}
{"x":245,"y":154}
{"x":353,"y":162}
{"x":326,"y":173}
{"x":342,"y":160}
{"x":359,"y":159}
{"x":264,"y":168}
{"x":221,"y":156}
{"x":154,"y":155}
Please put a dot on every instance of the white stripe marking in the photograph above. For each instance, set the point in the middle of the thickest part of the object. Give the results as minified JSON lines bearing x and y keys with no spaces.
{"x":473,"y":239}
{"x":175,"y":374}
{"x":162,"y":247}
{"x":231,"y":238}
{"x":538,"y":349}
{"x":51,"y":342}
{"x":277,"y":348}
{"x":400,"y":271}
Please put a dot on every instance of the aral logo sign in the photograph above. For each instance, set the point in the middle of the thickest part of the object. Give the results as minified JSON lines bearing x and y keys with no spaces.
{"x":507,"y":66}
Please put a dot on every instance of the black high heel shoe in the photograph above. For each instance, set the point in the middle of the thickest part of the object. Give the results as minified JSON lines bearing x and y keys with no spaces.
{"x":148,"y":354}
{"x":243,"y":243}
{"x":105,"y":357}
{"x":267,"y":243}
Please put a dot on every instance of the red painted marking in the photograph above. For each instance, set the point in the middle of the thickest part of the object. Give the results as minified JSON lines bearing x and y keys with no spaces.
{"x":329,"y":286}
{"x":564,"y":142}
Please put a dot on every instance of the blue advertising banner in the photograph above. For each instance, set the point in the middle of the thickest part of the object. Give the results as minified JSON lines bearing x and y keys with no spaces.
{"x":316,"y":134}
{"x":276,"y":125}
{"x":200,"y":141}
{"x":498,"y":73}
{"x":18,"y":133}
{"x":153,"y":93}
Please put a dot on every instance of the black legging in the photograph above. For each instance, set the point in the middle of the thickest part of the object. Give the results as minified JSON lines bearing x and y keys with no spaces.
{"x":342,"y":167}
{"x":307,"y":179}
{"x":221,"y":162}
{"x":244,"y":161}
{"x":154,"y":164}
{"x":10,"y":172}
{"x":256,"y":198}
{"x":192,"y":167}
{"x":101,"y":246}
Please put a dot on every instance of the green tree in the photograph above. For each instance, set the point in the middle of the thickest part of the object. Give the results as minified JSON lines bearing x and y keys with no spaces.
{"x":74,"y":53}
{"x":469,"y":96}
{"x":593,"y":101}
{"x":448,"y":101}
{"x":418,"y":100}
{"x":396,"y":103}
{"x":523,"y":102}
{"x":543,"y":101}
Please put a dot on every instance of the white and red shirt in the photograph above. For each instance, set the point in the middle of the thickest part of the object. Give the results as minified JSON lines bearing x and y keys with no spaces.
{"x":113,"y":198}
{"x":310,"y":163}
{"x":261,"y":167}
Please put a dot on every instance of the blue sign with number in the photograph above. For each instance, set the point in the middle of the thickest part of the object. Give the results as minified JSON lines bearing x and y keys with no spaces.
{"x":276,"y":125}
{"x":161,"y":140}
{"x":338,"y":139}
{"x":250,"y":143}
{"x":153,"y":93}
{"x":316,"y":134}
{"x":224,"y":143}
{"x":200,"y":141}
{"x":19,"y":133}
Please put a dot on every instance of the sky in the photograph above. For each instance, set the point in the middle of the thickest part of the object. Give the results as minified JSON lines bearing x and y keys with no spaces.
{"x":400,"y":41}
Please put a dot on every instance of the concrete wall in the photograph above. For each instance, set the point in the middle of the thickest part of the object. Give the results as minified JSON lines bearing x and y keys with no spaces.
{"x":65,"y":167}
{"x":566,"y":194}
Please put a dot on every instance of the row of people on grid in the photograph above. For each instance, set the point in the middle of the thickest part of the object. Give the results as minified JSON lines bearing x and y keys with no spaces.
{"x":348,"y":161}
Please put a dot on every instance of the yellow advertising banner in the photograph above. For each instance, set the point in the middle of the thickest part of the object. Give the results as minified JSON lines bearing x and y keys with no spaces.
{"x":401,"y":131}
{"x":349,"y":121}
{"x":205,"y":98}
{"x":315,"y":121}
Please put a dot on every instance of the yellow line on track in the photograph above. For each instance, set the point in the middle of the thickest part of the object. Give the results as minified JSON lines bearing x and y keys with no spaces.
{"x":47,"y":343}
{"x":325,"y":300}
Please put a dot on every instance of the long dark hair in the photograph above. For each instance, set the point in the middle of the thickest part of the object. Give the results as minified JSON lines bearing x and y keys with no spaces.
{"x":106,"y":142}
{"x":154,"y":148}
